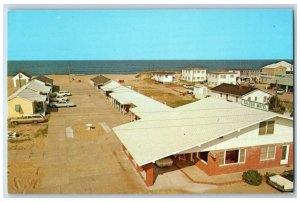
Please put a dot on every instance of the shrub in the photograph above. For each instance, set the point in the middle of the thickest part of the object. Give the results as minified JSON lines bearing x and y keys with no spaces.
{"x":252,"y":177}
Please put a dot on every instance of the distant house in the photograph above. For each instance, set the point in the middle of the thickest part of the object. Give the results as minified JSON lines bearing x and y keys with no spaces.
{"x":217,"y":136}
{"x":252,"y":97}
{"x":99,"y":81}
{"x":193,"y":74}
{"x":164,"y":77}
{"x":277,"y":69}
{"x":219,"y":77}
{"x":246,"y":75}
{"x":32,"y":98}
{"x":200,"y":91}
{"x":21,"y":79}
{"x":44,"y":79}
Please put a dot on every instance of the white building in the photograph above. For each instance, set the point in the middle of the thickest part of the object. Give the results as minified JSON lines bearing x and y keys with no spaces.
{"x":200,"y":91}
{"x":164,"y":77}
{"x":244,"y":95}
{"x":213,"y":134}
{"x":217,"y":78}
{"x":20,"y":79}
{"x":193,"y":74}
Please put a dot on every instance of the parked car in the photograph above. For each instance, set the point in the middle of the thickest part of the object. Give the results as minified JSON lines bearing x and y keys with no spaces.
{"x":62,"y":104}
{"x":189,"y":92}
{"x":55,"y":94}
{"x":30,"y":118}
{"x":63,"y":92}
{"x":59,"y":98}
{"x":251,"y":84}
{"x":280,"y":91}
{"x":282,"y":182}
{"x":188,"y":86}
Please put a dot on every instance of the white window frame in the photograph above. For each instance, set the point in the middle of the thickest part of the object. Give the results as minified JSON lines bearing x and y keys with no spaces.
{"x":224,"y":157}
{"x":269,"y":159}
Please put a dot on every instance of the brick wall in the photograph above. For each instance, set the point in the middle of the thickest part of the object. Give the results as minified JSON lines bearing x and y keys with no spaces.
{"x":252,"y":161}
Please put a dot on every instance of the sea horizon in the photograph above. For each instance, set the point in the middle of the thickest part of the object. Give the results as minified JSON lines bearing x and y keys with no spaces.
{"x":63,"y":67}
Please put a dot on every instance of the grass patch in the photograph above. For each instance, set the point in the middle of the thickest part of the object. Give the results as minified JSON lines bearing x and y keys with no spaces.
{"x":179,"y":103}
{"x":288,"y":105}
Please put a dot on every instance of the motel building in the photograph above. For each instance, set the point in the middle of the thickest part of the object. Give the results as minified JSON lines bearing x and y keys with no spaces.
{"x":164,"y":77}
{"x":217,"y":78}
{"x":32,"y":98}
{"x":248,"y":96}
{"x":193,"y":74}
{"x":129,"y":102}
{"x":217,"y":136}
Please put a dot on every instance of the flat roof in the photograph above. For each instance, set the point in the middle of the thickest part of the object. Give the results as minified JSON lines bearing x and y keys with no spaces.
{"x":161,"y":134}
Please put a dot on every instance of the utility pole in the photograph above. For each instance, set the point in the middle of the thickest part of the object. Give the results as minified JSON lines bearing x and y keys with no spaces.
{"x":276,"y":95}
{"x":69,"y":73}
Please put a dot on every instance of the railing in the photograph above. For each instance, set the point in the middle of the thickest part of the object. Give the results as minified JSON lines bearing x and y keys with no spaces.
{"x":255,"y":105}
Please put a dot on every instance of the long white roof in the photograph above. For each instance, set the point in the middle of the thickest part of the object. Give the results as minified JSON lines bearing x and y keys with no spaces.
{"x":32,"y":91}
{"x":109,"y":86}
{"x":163,"y":133}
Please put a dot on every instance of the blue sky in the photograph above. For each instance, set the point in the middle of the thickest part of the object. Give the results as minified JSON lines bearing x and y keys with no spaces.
{"x":150,"y":34}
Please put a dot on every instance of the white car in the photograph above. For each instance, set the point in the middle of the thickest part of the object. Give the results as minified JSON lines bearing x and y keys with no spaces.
{"x":64,"y":92}
{"x":59,"y":98}
{"x":188,"y":86}
{"x":280,"y":91}
{"x":62,"y":104}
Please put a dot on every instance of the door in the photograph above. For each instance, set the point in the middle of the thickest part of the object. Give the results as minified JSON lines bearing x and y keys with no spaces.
{"x":284,"y":154}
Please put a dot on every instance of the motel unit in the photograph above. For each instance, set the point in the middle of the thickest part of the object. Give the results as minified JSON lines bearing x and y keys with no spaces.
{"x":21,"y":79}
{"x":219,"y":77}
{"x":31,"y":98}
{"x":126,"y":100}
{"x":249,"y":96}
{"x":193,"y":74}
{"x":219,"y":137}
{"x":246,"y":75}
{"x":164,"y":77}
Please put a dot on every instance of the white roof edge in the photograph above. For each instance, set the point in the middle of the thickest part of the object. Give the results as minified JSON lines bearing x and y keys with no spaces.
{"x":141,"y":164}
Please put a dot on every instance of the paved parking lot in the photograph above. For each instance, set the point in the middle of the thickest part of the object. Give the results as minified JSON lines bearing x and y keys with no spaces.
{"x":86,"y":165}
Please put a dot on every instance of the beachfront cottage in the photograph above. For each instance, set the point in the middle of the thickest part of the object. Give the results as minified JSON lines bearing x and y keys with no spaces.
{"x":246,"y":75}
{"x":200,"y":91}
{"x":164,"y":77}
{"x":21,"y":79}
{"x":217,"y":136}
{"x":31,"y":98}
{"x":217,"y":78}
{"x":99,"y":81}
{"x":47,"y":81}
{"x":193,"y":74}
{"x":248,"y":96}
{"x":277,"y":69}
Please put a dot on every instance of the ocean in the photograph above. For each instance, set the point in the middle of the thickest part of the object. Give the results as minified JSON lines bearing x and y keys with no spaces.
{"x":126,"y":66}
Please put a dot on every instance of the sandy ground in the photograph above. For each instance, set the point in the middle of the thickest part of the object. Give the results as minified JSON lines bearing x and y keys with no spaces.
{"x":93,"y":162}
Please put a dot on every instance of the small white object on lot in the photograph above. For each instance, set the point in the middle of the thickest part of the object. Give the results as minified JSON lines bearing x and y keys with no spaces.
{"x":281,"y":183}
{"x":89,"y":126}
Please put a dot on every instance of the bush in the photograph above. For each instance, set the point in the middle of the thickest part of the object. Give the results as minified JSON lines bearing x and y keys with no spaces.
{"x":252,"y":177}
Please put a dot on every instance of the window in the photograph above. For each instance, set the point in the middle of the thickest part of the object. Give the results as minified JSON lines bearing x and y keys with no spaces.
{"x":202,"y":78}
{"x":255,"y":99}
{"x":236,"y":98}
{"x":249,"y":98}
{"x":198,"y":71}
{"x":198,"y":77}
{"x":220,"y":94}
{"x":232,"y":156}
{"x":203,"y":156}
{"x":202,"y":72}
{"x":231,"y":76}
{"x":265,"y":99}
{"x":166,"y":76}
{"x":223,"y":76}
{"x":267,"y":153}
{"x":266,"y":127}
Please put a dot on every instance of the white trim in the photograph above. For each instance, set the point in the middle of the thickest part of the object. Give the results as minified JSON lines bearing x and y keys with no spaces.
{"x":286,"y":160}
{"x":268,"y":159}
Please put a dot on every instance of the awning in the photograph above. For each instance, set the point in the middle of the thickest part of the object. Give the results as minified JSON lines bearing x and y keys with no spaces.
{"x":17,"y":108}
